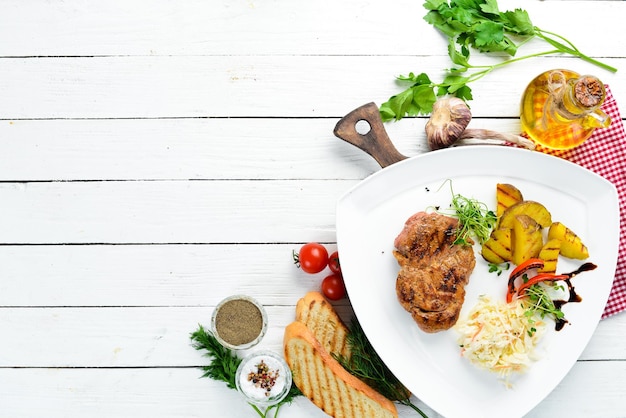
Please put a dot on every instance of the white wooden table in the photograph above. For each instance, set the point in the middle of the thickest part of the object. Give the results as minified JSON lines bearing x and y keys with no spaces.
{"x":158,"y":156}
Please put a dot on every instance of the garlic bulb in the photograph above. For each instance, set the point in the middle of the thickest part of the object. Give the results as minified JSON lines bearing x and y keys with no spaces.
{"x":447,"y":122}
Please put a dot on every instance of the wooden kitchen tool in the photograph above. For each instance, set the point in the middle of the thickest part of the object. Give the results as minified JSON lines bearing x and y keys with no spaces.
{"x":375,"y":142}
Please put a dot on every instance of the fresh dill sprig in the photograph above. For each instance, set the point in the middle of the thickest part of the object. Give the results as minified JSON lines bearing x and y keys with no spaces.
{"x":365,"y":364}
{"x":224,"y":364}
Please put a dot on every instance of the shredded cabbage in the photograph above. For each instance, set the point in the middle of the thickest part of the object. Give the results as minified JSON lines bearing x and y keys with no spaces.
{"x":500,"y":337}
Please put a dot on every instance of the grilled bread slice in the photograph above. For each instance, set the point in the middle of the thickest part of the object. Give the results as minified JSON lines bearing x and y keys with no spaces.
{"x":320,"y":317}
{"x":326,"y":383}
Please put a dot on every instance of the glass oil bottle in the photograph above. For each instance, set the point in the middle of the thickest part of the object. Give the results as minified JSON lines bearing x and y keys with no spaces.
{"x":560,"y":109}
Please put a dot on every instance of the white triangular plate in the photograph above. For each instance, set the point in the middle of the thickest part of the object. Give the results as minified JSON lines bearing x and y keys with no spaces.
{"x":371,"y":215}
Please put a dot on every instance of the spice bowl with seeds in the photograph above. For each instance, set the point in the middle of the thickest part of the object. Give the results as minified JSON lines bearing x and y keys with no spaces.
{"x":263,"y":378}
{"x":239,"y":322}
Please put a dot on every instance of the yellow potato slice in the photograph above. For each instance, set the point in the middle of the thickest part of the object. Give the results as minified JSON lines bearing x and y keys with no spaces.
{"x":571,"y":244}
{"x":526,"y":239}
{"x":506,"y":196}
{"x":550,"y":255}
{"x":535,"y":210}
{"x":497,"y":249}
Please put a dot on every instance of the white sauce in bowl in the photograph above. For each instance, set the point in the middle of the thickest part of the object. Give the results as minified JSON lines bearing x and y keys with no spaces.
{"x":263,"y":378}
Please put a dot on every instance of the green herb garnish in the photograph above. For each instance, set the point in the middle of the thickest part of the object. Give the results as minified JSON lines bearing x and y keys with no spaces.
{"x":540,"y":301}
{"x":365,"y":364}
{"x":224,"y":362}
{"x":475,"y":218}
{"x":498,"y":268}
{"x":223,"y":367}
{"x":477,"y":24}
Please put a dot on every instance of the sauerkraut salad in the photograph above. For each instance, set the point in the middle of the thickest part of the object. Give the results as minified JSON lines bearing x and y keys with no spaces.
{"x":500,"y":337}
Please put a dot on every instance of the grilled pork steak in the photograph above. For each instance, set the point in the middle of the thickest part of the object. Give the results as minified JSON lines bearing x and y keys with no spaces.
{"x":433,"y":270}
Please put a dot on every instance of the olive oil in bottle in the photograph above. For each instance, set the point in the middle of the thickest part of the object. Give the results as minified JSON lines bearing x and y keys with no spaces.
{"x":560,"y":109}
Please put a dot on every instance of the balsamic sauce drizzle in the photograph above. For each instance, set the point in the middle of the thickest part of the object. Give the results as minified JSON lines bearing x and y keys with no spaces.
{"x":573,"y":296}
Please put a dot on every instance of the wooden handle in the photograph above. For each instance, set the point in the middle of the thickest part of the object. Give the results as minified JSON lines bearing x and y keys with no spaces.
{"x":375,"y":142}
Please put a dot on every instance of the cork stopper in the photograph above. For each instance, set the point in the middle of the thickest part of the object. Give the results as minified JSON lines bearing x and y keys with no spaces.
{"x":589,"y":91}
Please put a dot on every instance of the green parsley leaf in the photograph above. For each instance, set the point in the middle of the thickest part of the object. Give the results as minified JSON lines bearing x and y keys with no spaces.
{"x":458,"y":57}
{"x":490,"y":6}
{"x":518,"y":22}
{"x":415,"y":100}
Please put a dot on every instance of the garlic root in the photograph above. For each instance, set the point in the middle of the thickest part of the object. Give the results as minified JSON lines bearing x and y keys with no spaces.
{"x":497,"y":137}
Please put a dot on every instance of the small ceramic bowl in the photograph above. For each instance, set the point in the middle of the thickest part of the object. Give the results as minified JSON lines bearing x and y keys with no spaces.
{"x":263,"y":378}
{"x":239,"y":322}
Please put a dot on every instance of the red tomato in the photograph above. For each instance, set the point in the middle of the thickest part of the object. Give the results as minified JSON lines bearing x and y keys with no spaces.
{"x":333,"y":287}
{"x":333,"y":262}
{"x":313,"y":257}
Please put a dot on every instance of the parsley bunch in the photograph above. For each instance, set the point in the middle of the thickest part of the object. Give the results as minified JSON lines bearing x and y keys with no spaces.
{"x":479,"y":25}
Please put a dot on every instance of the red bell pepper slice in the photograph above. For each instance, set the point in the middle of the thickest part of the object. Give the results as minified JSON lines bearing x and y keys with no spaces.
{"x":541,"y":278}
{"x":531,"y":263}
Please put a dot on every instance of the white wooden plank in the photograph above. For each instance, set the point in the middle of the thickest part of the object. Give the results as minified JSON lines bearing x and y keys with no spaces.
{"x":151,"y":275}
{"x":135,"y":392}
{"x":610,"y":331}
{"x":253,"y":27}
{"x":246,"y":86}
{"x":170,"y":211}
{"x":120,"y":337}
{"x":572,"y":398}
{"x":180,"y":393}
{"x":190,"y":149}
{"x":183,"y":149}
{"x":159,"y":336}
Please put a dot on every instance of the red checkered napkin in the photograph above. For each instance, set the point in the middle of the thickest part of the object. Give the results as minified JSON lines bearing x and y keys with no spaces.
{"x":605,"y":154}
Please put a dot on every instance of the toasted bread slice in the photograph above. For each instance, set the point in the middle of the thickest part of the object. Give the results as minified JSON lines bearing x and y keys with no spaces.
{"x":326,"y":383}
{"x":320,"y":317}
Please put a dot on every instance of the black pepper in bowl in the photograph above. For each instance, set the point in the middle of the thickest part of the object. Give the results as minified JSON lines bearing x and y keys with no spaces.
{"x":239,"y":322}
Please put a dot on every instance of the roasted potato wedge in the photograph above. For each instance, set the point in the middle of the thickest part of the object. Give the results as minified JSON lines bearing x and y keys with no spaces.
{"x":571,"y":244}
{"x":535,"y":210}
{"x":497,"y":249}
{"x":506,"y":196}
{"x":550,"y":255}
{"x":526,"y":238}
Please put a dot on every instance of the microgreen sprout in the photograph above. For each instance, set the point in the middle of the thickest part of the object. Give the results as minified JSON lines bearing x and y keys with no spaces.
{"x":475,"y":218}
{"x":498,"y":268}
{"x":540,"y":301}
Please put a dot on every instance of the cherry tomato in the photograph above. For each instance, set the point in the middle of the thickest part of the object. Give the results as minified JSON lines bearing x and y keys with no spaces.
{"x":333,"y":287}
{"x":333,"y":262}
{"x":312,"y":258}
